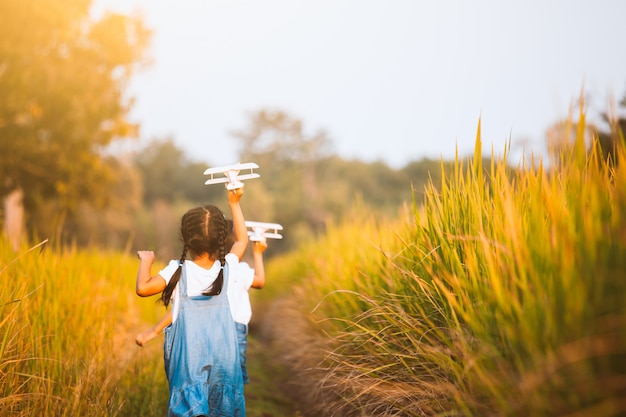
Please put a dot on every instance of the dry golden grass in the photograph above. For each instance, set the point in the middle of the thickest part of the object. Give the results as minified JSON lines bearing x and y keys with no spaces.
{"x":503,"y":295}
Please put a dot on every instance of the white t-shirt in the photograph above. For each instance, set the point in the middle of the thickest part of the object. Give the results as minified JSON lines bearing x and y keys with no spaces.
{"x":240,"y":279}
{"x":238,"y":286}
{"x":199,"y":279}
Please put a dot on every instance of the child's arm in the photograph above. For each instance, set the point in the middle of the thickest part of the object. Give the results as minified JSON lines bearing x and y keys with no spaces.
{"x":147,"y":284}
{"x":239,"y":225}
{"x":259,"y":268}
{"x":148,"y":335}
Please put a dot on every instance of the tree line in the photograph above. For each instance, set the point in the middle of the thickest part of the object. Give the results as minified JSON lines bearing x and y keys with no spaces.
{"x":63,"y":81}
{"x":303,"y":186}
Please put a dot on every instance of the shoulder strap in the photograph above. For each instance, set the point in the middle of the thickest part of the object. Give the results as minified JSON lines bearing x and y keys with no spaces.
{"x":225,"y":284}
{"x":182,"y":284}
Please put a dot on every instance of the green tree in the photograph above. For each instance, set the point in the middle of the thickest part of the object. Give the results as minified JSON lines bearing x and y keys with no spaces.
{"x":62,"y":81}
{"x":169,"y":175}
{"x":420,"y":173}
{"x":114,"y":226}
{"x":288,"y":164}
{"x":303,"y":185}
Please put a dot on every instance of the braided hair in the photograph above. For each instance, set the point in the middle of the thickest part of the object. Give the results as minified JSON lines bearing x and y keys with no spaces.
{"x":203,"y":230}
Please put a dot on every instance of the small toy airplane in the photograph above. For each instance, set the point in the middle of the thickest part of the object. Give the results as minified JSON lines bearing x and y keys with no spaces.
{"x":259,"y":231}
{"x":231,"y":178}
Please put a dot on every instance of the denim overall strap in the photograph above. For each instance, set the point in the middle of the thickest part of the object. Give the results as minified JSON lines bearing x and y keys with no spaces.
{"x":201,"y":357}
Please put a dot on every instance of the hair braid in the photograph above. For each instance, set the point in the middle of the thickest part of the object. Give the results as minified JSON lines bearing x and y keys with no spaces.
{"x":203,"y":231}
{"x":221,"y":232}
{"x":166,"y":295}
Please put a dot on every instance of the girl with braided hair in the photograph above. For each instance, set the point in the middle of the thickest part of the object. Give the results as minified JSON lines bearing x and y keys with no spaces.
{"x":242,"y":279}
{"x":200,"y":348}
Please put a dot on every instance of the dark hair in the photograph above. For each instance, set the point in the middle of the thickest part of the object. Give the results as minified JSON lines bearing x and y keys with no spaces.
{"x":230,"y":234}
{"x":203,"y":230}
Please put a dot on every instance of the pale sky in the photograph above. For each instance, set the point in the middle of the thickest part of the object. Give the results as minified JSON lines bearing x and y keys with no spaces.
{"x":390,"y":80}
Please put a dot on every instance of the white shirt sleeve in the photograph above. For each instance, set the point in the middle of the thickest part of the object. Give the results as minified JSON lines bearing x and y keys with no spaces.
{"x":239,"y":282}
{"x":167,"y":272}
{"x":231,"y":259}
{"x":244,"y":276}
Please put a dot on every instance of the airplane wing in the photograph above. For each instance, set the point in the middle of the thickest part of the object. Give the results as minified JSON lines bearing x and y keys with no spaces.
{"x":217,"y":180}
{"x":233,"y":167}
{"x":247,"y":176}
{"x":262,"y":225}
{"x":261,"y":231}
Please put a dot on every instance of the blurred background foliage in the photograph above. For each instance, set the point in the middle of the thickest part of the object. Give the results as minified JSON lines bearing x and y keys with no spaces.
{"x":63,"y":81}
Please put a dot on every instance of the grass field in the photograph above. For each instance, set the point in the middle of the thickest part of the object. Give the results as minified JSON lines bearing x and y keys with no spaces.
{"x":503,"y":294}
{"x":68,"y":324}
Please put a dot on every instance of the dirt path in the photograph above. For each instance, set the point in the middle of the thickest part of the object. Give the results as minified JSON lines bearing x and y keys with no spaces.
{"x":265,"y":394}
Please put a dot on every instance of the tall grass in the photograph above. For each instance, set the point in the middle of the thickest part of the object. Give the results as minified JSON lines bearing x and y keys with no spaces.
{"x":68,"y":319}
{"x":504,"y":294}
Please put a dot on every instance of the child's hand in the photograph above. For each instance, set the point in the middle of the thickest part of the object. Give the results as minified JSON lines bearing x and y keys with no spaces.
{"x":146,"y":255}
{"x":235,"y":195}
{"x":145,"y":337}
{"x":259,"y":246}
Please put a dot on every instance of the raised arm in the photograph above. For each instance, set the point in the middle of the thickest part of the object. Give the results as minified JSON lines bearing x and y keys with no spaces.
{"x":259,"y":268}
{"x":147,"y":284}
{"x":239,"y":225}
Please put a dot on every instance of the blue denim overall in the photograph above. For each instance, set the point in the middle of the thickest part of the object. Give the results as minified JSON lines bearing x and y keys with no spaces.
{"x":242,"y":338}
{"x":201,"y":357}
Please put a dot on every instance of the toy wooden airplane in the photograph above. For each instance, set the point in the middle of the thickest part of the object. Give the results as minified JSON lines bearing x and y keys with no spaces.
{"x":231,"y":178}
{"x":259,"y":231}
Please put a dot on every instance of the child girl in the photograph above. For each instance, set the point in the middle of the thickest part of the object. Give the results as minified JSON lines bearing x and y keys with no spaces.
{"x":200,"y":347}
{"x":242,"y":280}
{"x":246,"y":278}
